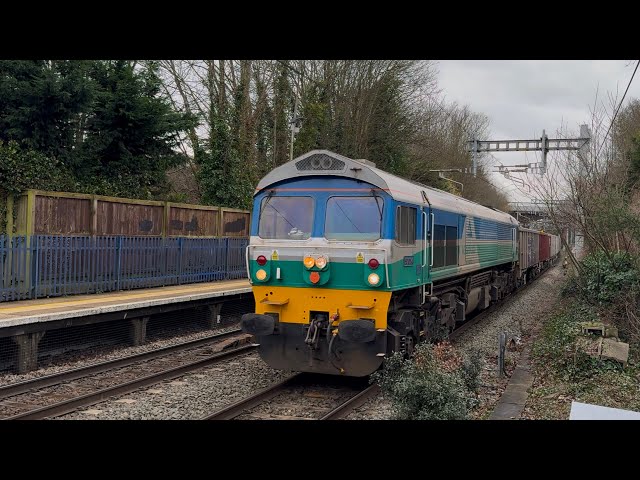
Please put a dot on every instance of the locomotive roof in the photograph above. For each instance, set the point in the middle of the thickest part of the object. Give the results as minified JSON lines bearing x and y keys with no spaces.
{"x":327,"y":163}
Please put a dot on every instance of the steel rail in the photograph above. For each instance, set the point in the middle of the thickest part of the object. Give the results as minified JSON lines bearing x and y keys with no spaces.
{"x":68,"y":375}
{"x":73,"y":404}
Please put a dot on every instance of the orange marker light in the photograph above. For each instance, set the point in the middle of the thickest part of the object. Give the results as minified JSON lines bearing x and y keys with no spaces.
{"x":314,"y":277}
{"x":309,"y":262}
{"x":261,"y":275}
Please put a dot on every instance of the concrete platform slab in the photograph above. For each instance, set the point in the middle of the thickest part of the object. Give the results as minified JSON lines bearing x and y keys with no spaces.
{"x":50,"y":309}
{"x":26,"y":322}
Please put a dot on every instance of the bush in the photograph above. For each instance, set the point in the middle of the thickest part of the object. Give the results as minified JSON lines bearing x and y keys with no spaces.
{"x":471,"y":369}
{"x":570,"y":288}
{"x":421,"y":389}
{"x":22,"y":169}
{"x":604,"y":278}
{"x":611,"y":282}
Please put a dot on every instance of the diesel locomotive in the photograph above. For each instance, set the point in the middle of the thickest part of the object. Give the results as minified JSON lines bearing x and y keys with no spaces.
{"x":349,"y":263}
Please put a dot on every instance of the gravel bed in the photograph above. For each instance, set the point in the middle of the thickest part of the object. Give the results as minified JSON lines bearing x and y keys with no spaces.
{"x":376,"y":408}
{"x":92,"y":355}
{"x":516,"y":317}
{"x":189,"y":397}
{"x":303,"y":401}
{"x":519,"y":318}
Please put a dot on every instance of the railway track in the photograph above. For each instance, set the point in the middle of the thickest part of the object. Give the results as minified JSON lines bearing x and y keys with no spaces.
{"x":250,"y":407}
{"x":65,"y":392}
{"x":342,"y":394}
{"x":453,"y":336}
{"x":73,"y":374}
{"x":341,"y":411}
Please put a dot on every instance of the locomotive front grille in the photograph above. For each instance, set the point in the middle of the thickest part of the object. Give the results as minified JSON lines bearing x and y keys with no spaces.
{"x":320,"y":161}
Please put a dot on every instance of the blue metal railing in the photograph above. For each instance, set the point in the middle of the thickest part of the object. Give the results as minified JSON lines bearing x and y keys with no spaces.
{"x":53,"y":265}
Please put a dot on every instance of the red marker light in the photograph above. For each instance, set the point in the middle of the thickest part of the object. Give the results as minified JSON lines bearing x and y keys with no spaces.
{"x":373,"y":264}
{"x":261,"y":260}
{"x":314,"y":277}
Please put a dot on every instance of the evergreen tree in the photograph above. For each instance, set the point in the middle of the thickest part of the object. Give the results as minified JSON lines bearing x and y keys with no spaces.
{"x":42,"y":104}
{"x":131,"y":131}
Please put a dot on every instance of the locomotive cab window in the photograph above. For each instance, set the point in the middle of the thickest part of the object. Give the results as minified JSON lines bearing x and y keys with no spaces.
{"x":353,"y":218}
{"x":406,"y":225}
{"x":286,"y":218}
{"x":445,"y":246}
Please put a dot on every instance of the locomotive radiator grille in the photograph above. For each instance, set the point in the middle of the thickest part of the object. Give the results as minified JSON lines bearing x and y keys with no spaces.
{"x":320,"y":161}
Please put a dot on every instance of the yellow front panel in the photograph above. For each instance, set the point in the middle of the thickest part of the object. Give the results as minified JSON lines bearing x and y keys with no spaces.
{"x":294,"y":304}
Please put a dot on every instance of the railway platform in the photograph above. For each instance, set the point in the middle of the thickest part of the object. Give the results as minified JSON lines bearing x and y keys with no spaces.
{"x":27,"y":321}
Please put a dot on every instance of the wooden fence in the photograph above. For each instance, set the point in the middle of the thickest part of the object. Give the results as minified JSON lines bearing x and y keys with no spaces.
{"x":61,"y":213}
{"x":71,"y":243}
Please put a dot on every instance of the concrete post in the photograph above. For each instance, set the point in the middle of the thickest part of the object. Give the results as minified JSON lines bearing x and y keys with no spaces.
{"x":27,"y":358}
{"x":139,"y":330}
{"x":212,"y":315}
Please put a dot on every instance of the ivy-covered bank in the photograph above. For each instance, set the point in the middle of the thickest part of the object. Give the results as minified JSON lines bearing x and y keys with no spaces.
{"x":566,"y":360}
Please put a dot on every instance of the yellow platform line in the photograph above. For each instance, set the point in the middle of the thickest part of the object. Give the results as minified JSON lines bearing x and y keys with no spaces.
{"x":130,"y":296}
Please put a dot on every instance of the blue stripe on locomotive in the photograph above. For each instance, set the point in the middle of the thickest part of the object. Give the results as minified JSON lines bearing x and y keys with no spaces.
{"x":491,"y":230}
{"x":321,"y":188}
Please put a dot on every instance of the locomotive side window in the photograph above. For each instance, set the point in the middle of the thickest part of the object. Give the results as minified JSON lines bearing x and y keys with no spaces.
{"x":439,"y":236}
{"x":286,"y":218}
{"x":353,"y":218}
{"x":452,"y":246}
{"x":445,"y":246}
{"x":406,"y":225}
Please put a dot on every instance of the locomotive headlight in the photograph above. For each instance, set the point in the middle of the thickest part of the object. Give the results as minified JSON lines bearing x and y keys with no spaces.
{"x":261,"y":274}
{"x":321,"y":262}
{"x":373,"y":279}
{"x":309,"y":262}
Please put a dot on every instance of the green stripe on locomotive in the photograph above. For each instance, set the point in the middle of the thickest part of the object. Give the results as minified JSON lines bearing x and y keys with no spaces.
{"x":403,"y":273}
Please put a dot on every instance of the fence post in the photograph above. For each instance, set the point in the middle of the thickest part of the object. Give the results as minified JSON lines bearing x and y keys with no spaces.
{"x":94,"y":215}
{"x":226,"y":259}
{"x":118,"y":260}
{"x":166,"y":215}
{"x":29,"y":230}
{"x":6,"y":273}
{"x":34,"y":265}
{"x":180,"y":260}
{"x":220,"y":222}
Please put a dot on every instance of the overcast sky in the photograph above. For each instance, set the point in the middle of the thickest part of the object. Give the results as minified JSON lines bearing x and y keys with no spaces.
{"x":523,"y":97}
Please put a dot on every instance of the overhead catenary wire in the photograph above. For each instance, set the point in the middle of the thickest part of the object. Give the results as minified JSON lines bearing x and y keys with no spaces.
{"x":501,"y":190}
{"x":525,"y":194}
